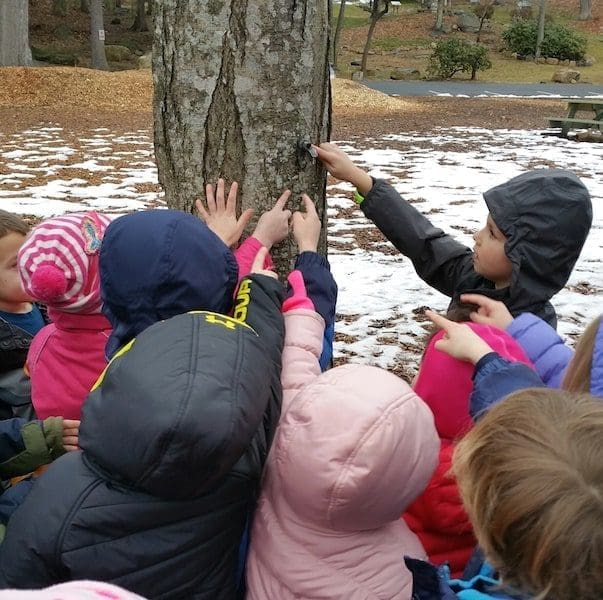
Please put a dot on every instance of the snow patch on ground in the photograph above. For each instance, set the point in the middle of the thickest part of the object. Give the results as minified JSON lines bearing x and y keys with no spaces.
{"x":381,"y":298}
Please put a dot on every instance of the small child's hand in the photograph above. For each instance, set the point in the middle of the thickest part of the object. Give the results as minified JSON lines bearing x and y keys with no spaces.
{"x":340,"y":165}
{"x":490,"y":312}
{"x":221,"y":217}
{"x":306,"y":227}
{"x":257,"y":268}
{"x":273,"y":225}
{"x":71,"y":432}
{"x":459,"y":341}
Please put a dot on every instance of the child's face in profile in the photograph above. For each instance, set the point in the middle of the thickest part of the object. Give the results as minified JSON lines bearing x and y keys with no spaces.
{"x":11,"y":290}
{"x":489,"y":257}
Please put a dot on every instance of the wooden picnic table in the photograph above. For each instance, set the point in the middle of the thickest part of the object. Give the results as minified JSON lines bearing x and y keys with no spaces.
{"x":593,"y":119}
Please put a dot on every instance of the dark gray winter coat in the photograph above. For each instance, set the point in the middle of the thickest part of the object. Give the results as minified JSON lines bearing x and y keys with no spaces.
{"x":173,"y":444}
{"x":545,"y":214}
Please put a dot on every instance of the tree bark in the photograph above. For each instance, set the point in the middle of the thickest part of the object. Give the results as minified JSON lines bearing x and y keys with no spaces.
{"x":97,"y":36}
{"x":338,"y":28}
{"x":439,"y":23}
{"x":14,"y":33}
{"x":140,"y":20}
{"x":586,"y":10}
{"x":541,"y":23}
{"x":59,"y":7}
{"x":379,"y":8}
{"x":240,"y":85}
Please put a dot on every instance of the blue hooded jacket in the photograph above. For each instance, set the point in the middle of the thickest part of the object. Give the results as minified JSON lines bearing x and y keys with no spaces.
{"x":160,"y":263}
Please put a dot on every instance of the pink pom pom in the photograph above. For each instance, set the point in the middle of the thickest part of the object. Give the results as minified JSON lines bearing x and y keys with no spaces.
{"x":48,"y":283}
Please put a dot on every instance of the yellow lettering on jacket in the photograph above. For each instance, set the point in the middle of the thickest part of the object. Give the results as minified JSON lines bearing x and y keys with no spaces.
{"x":242,"y":301}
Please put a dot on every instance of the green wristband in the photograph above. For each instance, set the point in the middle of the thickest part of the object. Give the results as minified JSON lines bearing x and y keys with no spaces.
{"x":358,"y":197}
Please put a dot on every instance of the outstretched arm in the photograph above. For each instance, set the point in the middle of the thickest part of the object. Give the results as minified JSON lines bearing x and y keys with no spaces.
{"x":438,"y":258}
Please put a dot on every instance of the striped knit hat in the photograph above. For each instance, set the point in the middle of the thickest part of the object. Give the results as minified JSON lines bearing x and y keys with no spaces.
{"x":58,"y":262}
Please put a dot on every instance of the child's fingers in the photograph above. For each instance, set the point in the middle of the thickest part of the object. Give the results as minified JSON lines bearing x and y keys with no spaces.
{"x":70,"y":447}
{"x":210,"y":198}
{"x":201,"y":210}
{"x":231,"y":202}
{"x":243,"y":220}
{"x":479,"y":299}
{"x":439,"y":320}
{"x":308,"y":204}
{"x":258,"y":261}
{"x":220,"y":196}
{"x":282,"y":201}
{"x":71,"y":424}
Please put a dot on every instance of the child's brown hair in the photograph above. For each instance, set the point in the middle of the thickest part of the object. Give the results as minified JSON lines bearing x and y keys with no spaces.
{"x":530,"y":474}
{"x":577,"y":376}
{"x":11,"y":223}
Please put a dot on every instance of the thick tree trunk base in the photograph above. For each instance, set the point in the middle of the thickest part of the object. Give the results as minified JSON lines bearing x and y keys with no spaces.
{"x":239,"y":85}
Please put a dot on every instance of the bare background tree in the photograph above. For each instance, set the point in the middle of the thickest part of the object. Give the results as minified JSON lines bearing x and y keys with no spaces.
{"x":239,"y":85}
{"x":541,"y":23}
{"x":338,"y":28}
{"x":140,"y":19}
{"x":98,"y":58}
{"x":586,"y":10}
{"x":378,"y":9}
{"x":14,"y":33}
{"x":439,"y":22}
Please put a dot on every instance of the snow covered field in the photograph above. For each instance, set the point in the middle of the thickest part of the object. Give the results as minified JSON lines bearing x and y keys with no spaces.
{"x":46,"y":171}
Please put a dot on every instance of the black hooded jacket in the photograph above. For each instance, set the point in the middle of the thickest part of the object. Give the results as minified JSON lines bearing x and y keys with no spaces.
{"x":173,"y":442}
{"x":545,"y":214}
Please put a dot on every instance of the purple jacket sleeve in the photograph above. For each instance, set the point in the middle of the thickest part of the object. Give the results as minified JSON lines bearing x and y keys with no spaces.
{"x":544,"y":347}
{"x":494,"y":378}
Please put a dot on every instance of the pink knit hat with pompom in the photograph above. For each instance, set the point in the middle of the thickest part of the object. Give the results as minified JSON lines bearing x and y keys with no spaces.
{"x":58,"y":262}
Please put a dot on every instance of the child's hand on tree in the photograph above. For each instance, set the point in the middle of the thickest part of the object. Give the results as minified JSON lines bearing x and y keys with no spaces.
{"x":71,"y":432}
{"x":273,"y":225}
{"x":490,"y":312}
{"x":459,"y":341}
{"x":340,"y":165}
{"x":306,"y":227}
{"x":220,"y":216}
{"x":257,"y":268}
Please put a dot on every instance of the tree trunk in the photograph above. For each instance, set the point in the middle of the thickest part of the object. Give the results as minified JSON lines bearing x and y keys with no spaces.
{"x":379,"y":8}
{"x":439,"y":23}
{"x":97,"y":36}
{"x":338,"y":29}
{"x":240,"y":86}
{"x":14,"y":33}
{"x":586,"y":10}
{"x":140,"y":20}
{"x":59,"y":7}
{"x":541,"y":21}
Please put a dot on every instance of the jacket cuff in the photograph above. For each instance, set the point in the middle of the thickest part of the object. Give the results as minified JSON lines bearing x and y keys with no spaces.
{"x":42,"y":446}
{"x":311,"y":259}
{"x":484,"y":361}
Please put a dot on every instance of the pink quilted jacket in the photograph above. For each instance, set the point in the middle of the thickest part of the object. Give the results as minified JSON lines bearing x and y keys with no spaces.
{"x":355,"y":446}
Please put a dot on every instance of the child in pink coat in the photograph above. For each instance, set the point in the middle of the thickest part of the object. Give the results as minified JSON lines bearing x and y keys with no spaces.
{"x":354,"y":447}
{"x":58,"y":264}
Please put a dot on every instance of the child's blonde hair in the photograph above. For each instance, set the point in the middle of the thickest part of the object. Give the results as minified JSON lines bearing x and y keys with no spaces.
{"x":577,"y":376}
{"x":530,"y":474}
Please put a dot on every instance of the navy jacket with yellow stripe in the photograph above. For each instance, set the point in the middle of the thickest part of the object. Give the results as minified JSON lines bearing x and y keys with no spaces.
{"x":173,"y":442}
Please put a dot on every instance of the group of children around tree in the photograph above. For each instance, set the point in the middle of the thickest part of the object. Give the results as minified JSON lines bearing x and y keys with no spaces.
{"x":199,"y":451}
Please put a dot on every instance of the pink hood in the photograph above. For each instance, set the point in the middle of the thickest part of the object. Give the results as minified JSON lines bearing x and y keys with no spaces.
{"x":445,"y":383}
{"x":355,"y":446}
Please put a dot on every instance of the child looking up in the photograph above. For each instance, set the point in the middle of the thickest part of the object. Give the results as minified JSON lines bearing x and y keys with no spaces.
{"x":524,"y":254}
{"x":59,"y":267}
{"x":20,"y":320}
